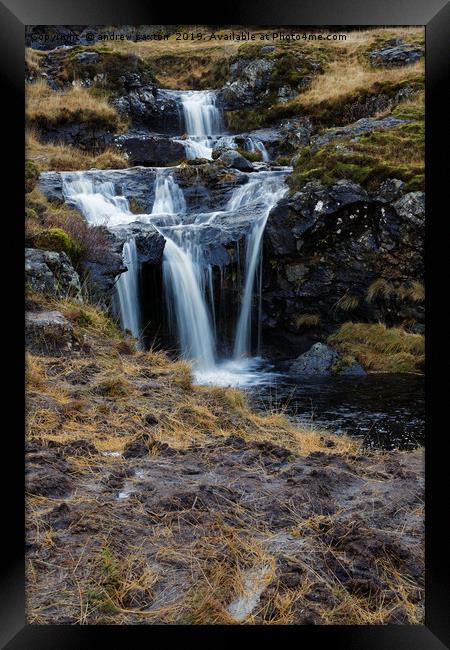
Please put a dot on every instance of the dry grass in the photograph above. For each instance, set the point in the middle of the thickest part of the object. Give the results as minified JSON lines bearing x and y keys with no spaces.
{"x":347,"y":302}
{"x":382,"y":289}
{"x":379,"y":348}
{"x":47,"y":106}
{"x":306,"y":320}
{"x":64,"y":157}
{"x":186,"y":413}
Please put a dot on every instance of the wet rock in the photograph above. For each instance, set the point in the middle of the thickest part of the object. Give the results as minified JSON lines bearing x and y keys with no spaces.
{"x":49,"y":332}
{"x":80,"y":448}
{"x":412,"y":207}
{"x":87,"y":58}
{"x":150,"y":150}
{"x":51,"y":272}
{"x":249,"y":78}
{"x":396,"y":53}
{"x":231,"y":158}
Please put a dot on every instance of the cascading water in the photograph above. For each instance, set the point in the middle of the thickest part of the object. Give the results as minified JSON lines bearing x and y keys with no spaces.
{"x":182,"y":276}
{"x":127,"y":287}
{"x":187,"y":276}
{"x":202,"y":120}
{"x":264,"y":189}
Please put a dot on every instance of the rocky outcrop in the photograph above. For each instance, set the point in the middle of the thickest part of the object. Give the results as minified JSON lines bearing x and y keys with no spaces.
{"x":322,"y":360}
{"x":394,"y":53}
{"x":48,"y":332}
{"x":249,"y":79}
{"x":325,"y":246}
{"x":143,"y":148}
{"x":146,"y":107}
{"x":85,"y":135}
{"x":364,"y":125}
{"x":52,"y":273}
{"x":234,"y":159}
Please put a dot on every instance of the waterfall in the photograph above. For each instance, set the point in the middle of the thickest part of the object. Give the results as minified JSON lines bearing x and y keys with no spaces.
{"x":183,"y":278}
{"x":169,"y":198}
{"x":202,"y":120}
{"x":264,"y":189}
{"x":127,"y":287}
{"x":187,"y":275}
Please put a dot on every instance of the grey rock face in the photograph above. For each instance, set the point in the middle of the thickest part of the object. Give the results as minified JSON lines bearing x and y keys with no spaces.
{"x":147,"y":108}
{"x":319,"y":360}
{"x":328,"y":243}
{"x":249,"y":78}
{"x":412,"y":207}
{"x":396,"y":53}
{"x":51,"y":272}
{"x":83,"y":135}
{"x":87,"y":58}
{"x":150,"y":150}
{"x":48,"y":332}
{"x":364,"y":125}
{"x":232,"y":158}
{"x":390,"y":190}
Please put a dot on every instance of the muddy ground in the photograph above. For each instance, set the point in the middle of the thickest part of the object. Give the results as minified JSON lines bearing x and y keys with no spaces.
{"x":229,"y":532}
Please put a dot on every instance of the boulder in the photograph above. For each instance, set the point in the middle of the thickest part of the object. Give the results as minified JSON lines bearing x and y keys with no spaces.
{"x":143,"y":148}
{"x":396,"y":53}
{"x":48,"y":332}
{"x":51,"y":272}
{"x":320,"y":360}
{"x":390,"y":190}
{"x":232,"y":158}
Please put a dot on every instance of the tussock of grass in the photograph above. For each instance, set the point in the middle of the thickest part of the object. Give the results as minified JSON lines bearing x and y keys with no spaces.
{"x":382,"y":289}
{"x":347,"y":302}
{"x":77,"y":105}
{"x":379,"y":348}
{"x":306,"y":320}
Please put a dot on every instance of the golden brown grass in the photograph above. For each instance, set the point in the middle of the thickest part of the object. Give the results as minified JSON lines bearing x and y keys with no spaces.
{"x":48,"y":106}
{"x":306,"y":320}
{"x":347,"y":302}
{"x":380,"y":348}
{"x":186,"y":413}
{"x":382,"y":289}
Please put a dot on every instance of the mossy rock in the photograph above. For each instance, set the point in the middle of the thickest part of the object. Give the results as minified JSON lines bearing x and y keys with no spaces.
{"x":32,"y":172}
{"x":57,"y":239}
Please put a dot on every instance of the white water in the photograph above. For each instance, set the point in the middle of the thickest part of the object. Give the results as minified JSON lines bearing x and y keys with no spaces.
{"x":187,"y":278}
{"x":202,"y":119}
{"x":265,"y":190}
{"x":128,"y":290}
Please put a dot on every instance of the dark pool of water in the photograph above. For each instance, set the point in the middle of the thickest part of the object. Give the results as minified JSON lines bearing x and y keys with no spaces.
{"x":385,"y":411}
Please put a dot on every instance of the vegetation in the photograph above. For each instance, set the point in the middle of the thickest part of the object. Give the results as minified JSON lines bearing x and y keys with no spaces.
{"x":57,"y":239}
{"x":370,"y":158}
{"x":379,"y":348}
{"x":48,"y":107}
{"x":58,"y":227}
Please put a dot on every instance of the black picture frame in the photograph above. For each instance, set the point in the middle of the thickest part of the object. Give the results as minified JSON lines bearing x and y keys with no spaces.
{"x":14,"y":15}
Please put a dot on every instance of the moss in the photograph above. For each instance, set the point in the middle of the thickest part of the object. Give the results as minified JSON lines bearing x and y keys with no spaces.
{"x":31,"y":175}
{"x":57,"y":239}
{"x":396,"y":152}
{"x":111,"y":69}
{"x":252,"y":156}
